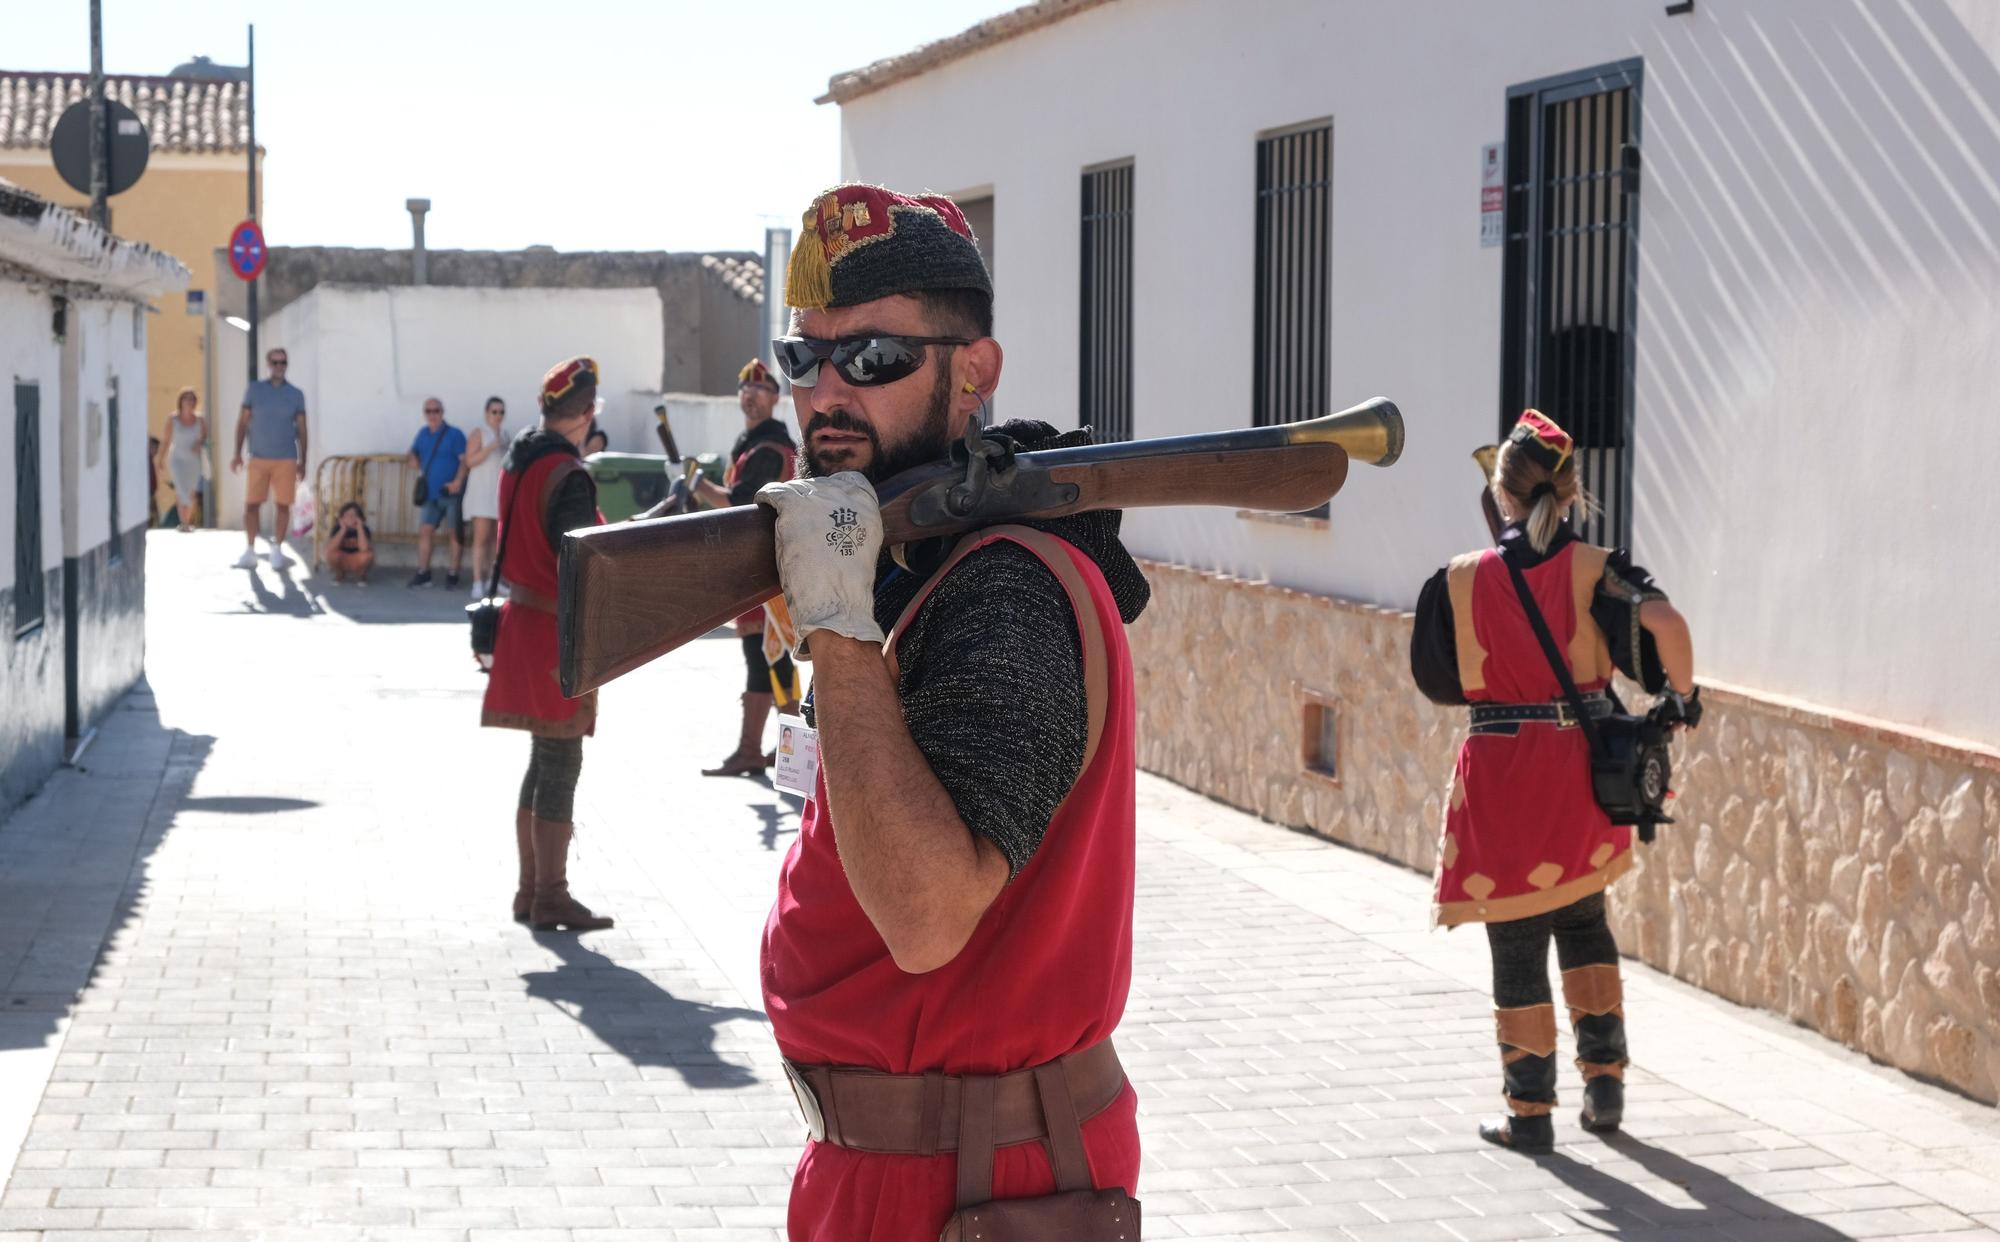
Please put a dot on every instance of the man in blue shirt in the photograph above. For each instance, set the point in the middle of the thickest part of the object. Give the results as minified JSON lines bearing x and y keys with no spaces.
{"x":439,"y":454}
{"x":273,"y":423}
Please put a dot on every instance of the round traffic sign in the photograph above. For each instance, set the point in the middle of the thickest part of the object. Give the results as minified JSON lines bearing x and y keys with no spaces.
{"x":246,"y":250}
{"x":126,"y":146}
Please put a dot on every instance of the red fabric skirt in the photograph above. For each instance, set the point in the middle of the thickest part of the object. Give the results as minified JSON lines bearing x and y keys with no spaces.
{"x":522,"y":691}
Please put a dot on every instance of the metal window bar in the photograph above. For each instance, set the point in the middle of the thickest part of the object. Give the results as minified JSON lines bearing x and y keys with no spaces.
{"x":1569,"y":301}
{"x":111,"y":431}
{"x":1294,"y":218}
{"x":1104,"y":402}
{"x":29,"y":586}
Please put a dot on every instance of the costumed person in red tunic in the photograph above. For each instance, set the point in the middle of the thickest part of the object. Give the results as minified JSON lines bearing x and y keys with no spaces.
{"x":1526,"y":848}
{"x":951,"y":945}
{"x":544,"y":491}
{"x":764,"y":453}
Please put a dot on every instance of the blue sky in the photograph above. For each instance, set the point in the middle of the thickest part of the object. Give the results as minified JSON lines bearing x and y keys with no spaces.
{"x":587,"y":124}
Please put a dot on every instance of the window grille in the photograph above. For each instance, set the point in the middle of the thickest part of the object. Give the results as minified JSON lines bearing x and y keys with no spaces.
{"x":1294,"y":218}
{"x":1571,"y":257}
{"x":29,"y":587}
{"x":111,"y":428}
{"x":1104,"y":403}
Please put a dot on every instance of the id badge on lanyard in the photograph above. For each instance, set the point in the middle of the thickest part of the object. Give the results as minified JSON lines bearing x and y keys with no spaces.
{"x":797,"y":769}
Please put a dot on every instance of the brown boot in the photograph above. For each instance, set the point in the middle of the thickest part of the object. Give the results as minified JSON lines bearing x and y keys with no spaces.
{"x":1528,"y":1074}
{"x":553,"y":908}
{"x":749,"y":755}
{"x":524,"y":844}
{"x":1596,"y":998}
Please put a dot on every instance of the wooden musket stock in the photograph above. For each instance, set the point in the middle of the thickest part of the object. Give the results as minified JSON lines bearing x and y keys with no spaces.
{"x":634,"y":591}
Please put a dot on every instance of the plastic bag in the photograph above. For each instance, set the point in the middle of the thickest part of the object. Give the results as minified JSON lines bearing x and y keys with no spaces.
{"x":303,"y":510}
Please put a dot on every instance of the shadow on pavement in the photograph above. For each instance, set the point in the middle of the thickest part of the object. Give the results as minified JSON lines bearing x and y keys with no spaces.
{"x":248,"y":805}
{"x":640,"y":1020}
{"x":771,"y":816}
{"x":288,"y":601}
{"x":1722,"y":1204}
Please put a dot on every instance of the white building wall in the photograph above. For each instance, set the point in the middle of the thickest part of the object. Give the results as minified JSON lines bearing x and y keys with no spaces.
{"x":367,"y":357}
{"x":1815,"y":308}
{"x":29,"y":354}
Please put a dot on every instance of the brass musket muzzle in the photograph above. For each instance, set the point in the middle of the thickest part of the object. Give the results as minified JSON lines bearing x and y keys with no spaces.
{"x":1370,"y":432}
{"x":1488,"y":458}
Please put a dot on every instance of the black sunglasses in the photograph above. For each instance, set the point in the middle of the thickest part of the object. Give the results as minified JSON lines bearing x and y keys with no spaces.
{"x":863,"y":361}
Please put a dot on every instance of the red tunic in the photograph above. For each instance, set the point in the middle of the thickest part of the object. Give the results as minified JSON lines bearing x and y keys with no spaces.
{"x":521,"y":690}
{"x":1045,"y":974}
{"x":753,"y":621}
{"x":1523,"y":833}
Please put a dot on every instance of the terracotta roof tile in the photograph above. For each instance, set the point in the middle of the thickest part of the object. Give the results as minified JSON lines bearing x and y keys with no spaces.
{"x":1014,"y":23}
{"x":181,"y":114}
{"x":744,"y":277}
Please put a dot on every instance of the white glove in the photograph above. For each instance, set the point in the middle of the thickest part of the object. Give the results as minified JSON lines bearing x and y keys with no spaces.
{"x":829,"y":534}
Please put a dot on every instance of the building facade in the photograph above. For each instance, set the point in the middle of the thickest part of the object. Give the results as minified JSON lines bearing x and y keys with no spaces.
{"x":73,"y":503}
{"x":1743,"y":249}
{"x":194,"y":191}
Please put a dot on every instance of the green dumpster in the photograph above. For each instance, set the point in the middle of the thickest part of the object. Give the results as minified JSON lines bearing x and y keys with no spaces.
{"x":629,"y":483}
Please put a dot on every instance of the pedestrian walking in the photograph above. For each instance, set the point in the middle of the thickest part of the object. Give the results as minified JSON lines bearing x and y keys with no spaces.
{"x":483,"y":458}
{"x":950,"y":949}
{"x":544,"y":491}
{"x":185,"y":448}
{"x":350,"y":545}
{"x":764,"y":453}
{"x":272,"y":424}
{"x":438,"y":457}
{"x":1526,"y":848}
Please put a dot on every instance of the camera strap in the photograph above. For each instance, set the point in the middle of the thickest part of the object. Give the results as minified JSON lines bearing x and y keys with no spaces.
{"x":1549,"y":649}
{"x":500,"y":553}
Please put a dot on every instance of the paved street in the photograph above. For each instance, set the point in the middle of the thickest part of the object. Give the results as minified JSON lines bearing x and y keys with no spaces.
{"x":311,"y":1018}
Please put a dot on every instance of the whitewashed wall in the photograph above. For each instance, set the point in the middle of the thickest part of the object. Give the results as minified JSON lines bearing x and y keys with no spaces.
{"x":106,"y":360}
{"x":366,"y":359}
{"x":1816,"y":323}
{"x":29,"y":354}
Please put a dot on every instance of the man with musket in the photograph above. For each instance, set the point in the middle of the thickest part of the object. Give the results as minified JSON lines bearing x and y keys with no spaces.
{"x":950,"y":950}
{"x":764,"y":453}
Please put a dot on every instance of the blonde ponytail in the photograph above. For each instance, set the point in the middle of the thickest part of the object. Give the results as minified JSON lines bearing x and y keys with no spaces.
{"x":1528,"y":493}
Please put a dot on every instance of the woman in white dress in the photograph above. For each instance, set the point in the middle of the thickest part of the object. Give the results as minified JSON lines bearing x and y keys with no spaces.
{"x":484,"y":457}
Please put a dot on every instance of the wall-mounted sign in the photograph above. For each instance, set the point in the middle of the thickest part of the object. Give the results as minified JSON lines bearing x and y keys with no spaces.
{"x":1492,"y":194}
{"x":246,"y":250}
{"x":197,"y":301}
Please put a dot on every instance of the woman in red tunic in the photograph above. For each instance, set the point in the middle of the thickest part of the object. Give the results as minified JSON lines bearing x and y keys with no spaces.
{"x":1526,"y":849}
{"x":544,"y":491}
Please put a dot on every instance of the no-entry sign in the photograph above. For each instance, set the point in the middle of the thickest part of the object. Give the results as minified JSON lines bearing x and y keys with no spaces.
{"x":246,"y":250}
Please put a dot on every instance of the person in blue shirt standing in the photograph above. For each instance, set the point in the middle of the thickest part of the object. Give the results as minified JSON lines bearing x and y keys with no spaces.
{"x":438,"y":455}
{"x":272,"y":423}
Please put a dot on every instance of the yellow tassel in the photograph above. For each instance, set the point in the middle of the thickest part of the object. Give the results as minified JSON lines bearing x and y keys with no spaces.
{"x":809,"y":277}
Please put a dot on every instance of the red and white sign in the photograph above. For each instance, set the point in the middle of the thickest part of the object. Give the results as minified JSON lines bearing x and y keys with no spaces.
{"x":1492,"y":195}
{"x":246,"y":250}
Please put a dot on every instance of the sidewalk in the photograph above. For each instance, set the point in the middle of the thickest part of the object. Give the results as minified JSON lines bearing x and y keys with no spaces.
{"x":312,"y":1019}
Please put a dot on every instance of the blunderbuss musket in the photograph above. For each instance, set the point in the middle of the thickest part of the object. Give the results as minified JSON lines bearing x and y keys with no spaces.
{"x":633,"y":591}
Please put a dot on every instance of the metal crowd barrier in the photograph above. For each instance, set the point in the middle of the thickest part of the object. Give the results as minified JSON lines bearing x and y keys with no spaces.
{"x":381,"y":482}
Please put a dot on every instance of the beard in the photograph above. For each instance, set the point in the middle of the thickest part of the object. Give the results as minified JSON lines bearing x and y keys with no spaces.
{"x":930,"y":441}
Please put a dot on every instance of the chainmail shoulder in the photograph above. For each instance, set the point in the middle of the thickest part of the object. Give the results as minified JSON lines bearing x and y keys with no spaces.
{"x":991,"y":681}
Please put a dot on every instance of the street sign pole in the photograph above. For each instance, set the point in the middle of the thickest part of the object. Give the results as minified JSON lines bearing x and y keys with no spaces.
{"x":100,"y":139}
{"x":250,"y":108}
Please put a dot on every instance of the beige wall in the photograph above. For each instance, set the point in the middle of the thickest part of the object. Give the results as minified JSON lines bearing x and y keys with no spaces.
{"x":185,"y":205}
{"x":1840,"y":872}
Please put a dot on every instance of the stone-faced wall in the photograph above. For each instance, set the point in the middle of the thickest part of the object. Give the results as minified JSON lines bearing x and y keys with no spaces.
{"x":1841,"y":873}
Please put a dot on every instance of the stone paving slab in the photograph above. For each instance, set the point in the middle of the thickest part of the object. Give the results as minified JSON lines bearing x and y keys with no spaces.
{"x":311,"y":1018}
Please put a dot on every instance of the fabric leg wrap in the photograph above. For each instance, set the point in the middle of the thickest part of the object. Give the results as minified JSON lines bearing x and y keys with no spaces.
{"x":1528,"y":1058}
{"x":1596,"y":999}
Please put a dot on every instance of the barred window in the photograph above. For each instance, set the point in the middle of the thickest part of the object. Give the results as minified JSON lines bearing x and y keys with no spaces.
{"x":29,"y":587}
{"x":1104,"y":403}
{"x":1294,"y":219}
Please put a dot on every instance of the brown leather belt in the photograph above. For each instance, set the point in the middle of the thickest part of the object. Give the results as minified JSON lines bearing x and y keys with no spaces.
{"x":528,"y":597}
{"x":918,"y":1114}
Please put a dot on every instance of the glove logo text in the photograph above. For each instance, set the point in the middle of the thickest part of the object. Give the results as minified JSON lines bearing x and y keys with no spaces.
{"x":847,"y":533}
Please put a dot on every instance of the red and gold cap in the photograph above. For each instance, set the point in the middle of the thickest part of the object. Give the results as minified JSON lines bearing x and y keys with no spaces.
{"x":861,"y":242}
{"x":755,"y":372}
{"x":1545,"y":443}
{"x":566,"y":377}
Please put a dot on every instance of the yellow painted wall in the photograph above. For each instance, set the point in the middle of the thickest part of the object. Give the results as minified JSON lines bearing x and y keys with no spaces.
{"x":185,"y":205}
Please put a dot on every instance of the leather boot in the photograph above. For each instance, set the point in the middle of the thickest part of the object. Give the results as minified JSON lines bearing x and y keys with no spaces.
{"x":1596,"y":999}
{"x":553,"y":908}
{"x":1528,"y":1071}
{"x":524,"y":844}
{"x":749,"y":753}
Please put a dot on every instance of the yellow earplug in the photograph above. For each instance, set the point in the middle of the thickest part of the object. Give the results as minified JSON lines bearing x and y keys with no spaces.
{"x":974,"y":391}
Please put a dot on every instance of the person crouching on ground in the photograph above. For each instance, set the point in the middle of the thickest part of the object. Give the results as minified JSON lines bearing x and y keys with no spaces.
{"x":1526,"y":848}
{"x":544,"y":491}
{"x":957,"y":909}
{"x":350,"y":546}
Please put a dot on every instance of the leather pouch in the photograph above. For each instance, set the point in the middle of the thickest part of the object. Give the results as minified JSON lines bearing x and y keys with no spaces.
{"x":1069,"y":1216}
{"x":1075,"y":1213}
